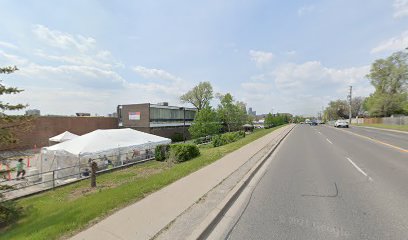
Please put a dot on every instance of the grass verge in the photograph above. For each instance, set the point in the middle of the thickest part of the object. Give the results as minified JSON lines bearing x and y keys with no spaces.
{"x":64,"y":211}
{"x":385,"y":126}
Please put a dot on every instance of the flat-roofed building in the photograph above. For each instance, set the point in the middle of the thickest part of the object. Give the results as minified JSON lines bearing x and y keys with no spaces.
{"x":159,"y":119}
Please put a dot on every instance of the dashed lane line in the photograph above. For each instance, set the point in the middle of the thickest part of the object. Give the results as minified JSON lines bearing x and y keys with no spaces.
{"x":375,"y":140}
{"x":359,"y":169}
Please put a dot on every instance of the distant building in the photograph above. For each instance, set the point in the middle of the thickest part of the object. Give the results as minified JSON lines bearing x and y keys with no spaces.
{"x":159,"y":119}
{"x":83,"y":114}
{"x":250,"y":112}
{"x":33,"y":112}
{"x":115,"y":115}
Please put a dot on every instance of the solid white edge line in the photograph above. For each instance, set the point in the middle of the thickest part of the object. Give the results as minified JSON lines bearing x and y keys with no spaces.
{"x":359,"y":169}
{"x":329,"y":141}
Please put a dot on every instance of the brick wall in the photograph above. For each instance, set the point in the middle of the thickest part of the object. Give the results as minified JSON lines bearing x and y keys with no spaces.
{"x":46,"y":127}
{"x":143,"y":109}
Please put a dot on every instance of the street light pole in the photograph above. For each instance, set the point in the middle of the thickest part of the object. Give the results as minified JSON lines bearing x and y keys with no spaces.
{"x":350,"y":98}
{"x":184,"y":124}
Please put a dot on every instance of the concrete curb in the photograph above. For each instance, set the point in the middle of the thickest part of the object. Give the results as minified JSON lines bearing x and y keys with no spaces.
{"x":215,"y":216}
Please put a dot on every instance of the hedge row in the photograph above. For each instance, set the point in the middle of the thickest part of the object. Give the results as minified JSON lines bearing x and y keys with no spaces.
{"x":226,"y":138}
{"x":181,"y":152}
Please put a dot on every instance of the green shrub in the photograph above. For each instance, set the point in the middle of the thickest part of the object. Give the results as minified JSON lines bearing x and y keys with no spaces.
{"x":177,"y":137}
{"x":161,"y":152}
{"x":226,"y":138}
{"x":184,"y":152}
{"x":202,"y":140}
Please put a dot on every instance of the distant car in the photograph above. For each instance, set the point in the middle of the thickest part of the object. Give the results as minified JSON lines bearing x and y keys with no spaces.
{"x":341,"y":123}
{"x":313,"y":123}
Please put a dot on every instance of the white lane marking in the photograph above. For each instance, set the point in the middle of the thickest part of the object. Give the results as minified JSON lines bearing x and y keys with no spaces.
{"x":319,"y":132}
{"x":329,"y":141}
{"x":359,"y":169}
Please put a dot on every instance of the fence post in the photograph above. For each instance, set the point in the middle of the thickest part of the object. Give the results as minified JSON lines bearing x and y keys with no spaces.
{"x":93,"y":174}
{"x":53,"y":179}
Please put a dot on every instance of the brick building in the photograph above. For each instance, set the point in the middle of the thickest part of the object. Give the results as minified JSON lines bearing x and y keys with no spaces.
{"x":44,"y":127}
{"x":158,"y":119}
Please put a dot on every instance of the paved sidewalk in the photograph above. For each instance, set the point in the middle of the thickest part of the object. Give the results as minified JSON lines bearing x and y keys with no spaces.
{"x":145,"y":218}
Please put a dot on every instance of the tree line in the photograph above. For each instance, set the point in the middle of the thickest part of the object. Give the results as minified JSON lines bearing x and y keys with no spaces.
{"x":229,"y":115}
{"x":389,"y":77}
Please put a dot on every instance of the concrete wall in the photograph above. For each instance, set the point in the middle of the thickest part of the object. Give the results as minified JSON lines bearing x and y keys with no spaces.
{"x":46,"y":127}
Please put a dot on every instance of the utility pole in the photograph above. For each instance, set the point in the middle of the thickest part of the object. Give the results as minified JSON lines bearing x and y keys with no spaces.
{"x":349,"y":97}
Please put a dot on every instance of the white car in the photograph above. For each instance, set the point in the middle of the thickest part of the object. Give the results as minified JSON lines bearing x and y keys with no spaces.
{"x":341,"y":123}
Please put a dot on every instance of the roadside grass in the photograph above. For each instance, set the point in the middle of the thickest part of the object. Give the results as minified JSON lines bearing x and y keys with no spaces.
{"x":394,"y":127}
{"x":64,"y":211}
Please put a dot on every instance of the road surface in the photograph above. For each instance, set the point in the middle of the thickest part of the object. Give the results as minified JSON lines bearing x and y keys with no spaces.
{"x":395,"y":138}
{"x":325,"y":183}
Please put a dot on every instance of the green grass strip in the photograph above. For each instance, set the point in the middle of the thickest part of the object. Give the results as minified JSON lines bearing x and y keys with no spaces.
{"x":67,"y":210}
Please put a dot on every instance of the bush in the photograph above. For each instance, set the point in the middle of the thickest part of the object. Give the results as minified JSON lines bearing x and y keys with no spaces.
{"x":161,"y":152}
{"x":184,"y":152}
{"x":9,"y":212}
{"x":226,"y":138}
{"x":177,"y":137}
{"x":202,"y":140}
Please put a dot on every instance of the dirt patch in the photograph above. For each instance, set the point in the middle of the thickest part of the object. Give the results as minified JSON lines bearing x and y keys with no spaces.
{"x":77,"y":193}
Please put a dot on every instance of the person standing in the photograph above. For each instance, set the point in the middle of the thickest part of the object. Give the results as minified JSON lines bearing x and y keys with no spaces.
{"x":20,"y":169}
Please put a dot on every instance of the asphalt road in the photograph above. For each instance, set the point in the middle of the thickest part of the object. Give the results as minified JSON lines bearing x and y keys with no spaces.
{"x":325,"y":183}
{"x":395,"y":138}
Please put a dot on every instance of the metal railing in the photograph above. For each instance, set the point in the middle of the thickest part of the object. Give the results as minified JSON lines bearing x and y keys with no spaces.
{"x":79,"y":173}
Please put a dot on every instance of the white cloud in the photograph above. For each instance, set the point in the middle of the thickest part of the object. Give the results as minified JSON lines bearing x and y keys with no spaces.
{"x":313,"y":75}
{"x":10,"y":59}
{"x":153,"y":73}
{"x":99,"y":59}
{"x":304,"y":88}
{"x":260,"y":57}
{"x":63,"y":40}
{"x":8,"y":45}
{"x":393,"y":44}
{"x":305,"y":10}
{"x":400,"y":8}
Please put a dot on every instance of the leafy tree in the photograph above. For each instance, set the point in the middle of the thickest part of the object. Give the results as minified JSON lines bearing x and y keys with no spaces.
{"x":337,"y":109}
{"x":268,"y":121}
{"x":10,"y":123}
{"x":206,"y":122}
{"x":390,"y":78}
{"x":231,"y":113}
{"x":298,"y":119}
{"x":357,"y":106}
{"x":276,"y":120}
{"x":9,"y":211}
{"x":200,"y":96}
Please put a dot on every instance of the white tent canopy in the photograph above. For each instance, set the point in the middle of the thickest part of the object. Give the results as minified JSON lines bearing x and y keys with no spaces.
{"x":65,"y":136}
{"x":116,"y":145}
{"x":103,"y":141}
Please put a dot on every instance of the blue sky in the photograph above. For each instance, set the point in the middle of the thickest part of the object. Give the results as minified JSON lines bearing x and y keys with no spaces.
{"x":90,"y":56}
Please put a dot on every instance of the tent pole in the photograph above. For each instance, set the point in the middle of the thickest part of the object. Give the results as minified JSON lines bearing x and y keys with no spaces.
{"x":79,"y":168}
{"x":41,"y":163}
